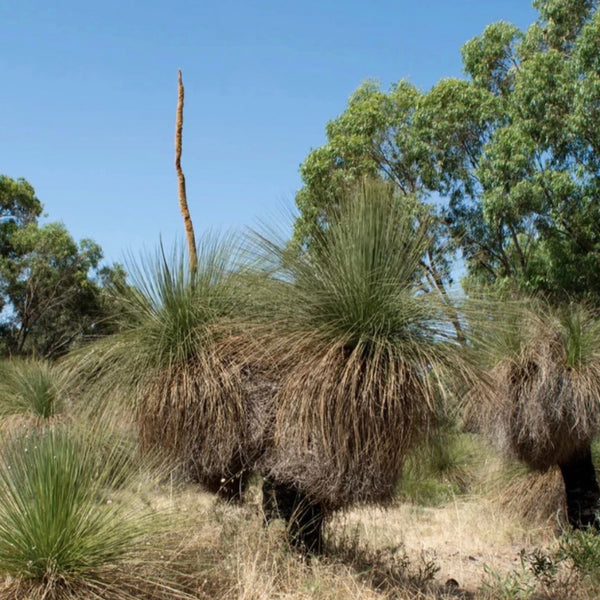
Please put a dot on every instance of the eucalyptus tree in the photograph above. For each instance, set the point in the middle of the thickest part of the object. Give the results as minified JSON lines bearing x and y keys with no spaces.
{"x":522,"y":173}
{"x":52,"y":288}
{"x":510,"y":154}
{"x":19,"y":206}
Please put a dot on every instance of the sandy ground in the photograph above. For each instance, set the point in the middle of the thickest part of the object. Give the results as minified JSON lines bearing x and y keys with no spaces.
{"x":462,"y":537}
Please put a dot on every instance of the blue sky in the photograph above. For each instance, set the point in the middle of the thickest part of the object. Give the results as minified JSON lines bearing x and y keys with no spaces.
{"x":89,"y":90}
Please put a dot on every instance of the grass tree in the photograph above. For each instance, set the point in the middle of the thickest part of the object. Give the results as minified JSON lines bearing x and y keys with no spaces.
{"x":541,"y":402}
{"x":67,"y":527}
{"x":31,"y":389}
{"x":361,"y":346}
{"x":182,"y":357}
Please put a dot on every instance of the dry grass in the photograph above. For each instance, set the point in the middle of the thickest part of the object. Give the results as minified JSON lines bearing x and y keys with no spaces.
{"x":529,"y":496}
{"x":461,"y":537}
{"x":344,"y":422}
{"x":223,"y":552}
{"x":218,"y":551}
{"x":181,"y":409}
{"x":228,"y":554}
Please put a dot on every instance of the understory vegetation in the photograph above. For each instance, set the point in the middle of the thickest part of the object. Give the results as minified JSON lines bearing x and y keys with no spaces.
{"x":111,"y":457}
{"x":326,"y":416}
{"x":83,"y":515}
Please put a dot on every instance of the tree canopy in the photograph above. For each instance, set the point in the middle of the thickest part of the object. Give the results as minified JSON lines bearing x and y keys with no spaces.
{"x":51,"y":287}
{"x":510,"y":156}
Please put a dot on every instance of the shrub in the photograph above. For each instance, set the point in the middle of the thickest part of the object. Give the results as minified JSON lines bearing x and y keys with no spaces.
{"x":31,"y":388}
{"x":62,"y":521}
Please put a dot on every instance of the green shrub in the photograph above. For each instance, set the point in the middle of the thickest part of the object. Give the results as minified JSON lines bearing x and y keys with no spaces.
{"x":31,"y":388}
{"x":442,"y":468}
{"x":515,"y":585}
{"x":582,"y":550}
{"x":62,"y":520}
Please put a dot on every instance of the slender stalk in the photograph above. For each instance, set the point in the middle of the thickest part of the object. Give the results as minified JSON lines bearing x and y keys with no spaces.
{"x":183,"y":205}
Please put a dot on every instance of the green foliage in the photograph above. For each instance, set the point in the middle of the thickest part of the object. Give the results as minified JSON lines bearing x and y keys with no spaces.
{"x":360,"y":280}
{"x":375,"y":138}
{"x":571,"y":570}
{"x":582,"y":550}
{"x":490,"y":58}
{"x":441,"y":468}
{"x":505,"y":328}
{"x":513,"y":153}
{"x":168,"y":314}
{"x":360,"y":141}
{"x":51,"y":287}
{"x":18,"y":207}
{"x":61,"y":521}
{"x":580,"y":330}
{"x":515,"y":585}
{"x":31,"y":388}
{"x":538,"y":165}
{"x":353,"y":282}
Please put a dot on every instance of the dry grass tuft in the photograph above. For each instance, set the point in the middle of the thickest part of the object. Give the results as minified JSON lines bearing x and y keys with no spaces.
{"x":530,"y":496}
{"x":181,"y":409}
{"x":344,"y":421}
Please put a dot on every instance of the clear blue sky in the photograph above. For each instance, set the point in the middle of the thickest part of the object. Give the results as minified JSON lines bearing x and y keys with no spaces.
{"x":88,"y":94}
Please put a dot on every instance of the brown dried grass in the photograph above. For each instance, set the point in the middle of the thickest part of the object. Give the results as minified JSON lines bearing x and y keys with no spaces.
{"x":209,"y":414}
{"x":344,"y":419}
{"x":531,"y":497}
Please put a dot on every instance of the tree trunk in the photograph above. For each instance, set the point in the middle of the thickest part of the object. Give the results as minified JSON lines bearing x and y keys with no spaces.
{"x":581,"y":487}
{"x":230,"y":488}
{"x":304,"y":517}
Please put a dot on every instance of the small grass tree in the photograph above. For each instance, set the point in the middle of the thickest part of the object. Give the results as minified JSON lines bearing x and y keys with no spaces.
{"x":181,"y":355}
{"x":361,"y":346}
{"x":541,"y":400}
{"x":31,"y":389}
{"x":66,"y":529}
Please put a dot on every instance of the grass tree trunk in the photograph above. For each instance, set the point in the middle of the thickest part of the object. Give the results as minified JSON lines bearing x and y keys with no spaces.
{"x":304,"y":517}
{"x":183,"y":205}
{"x":581,"y":487}
{"x":230,"y":488}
